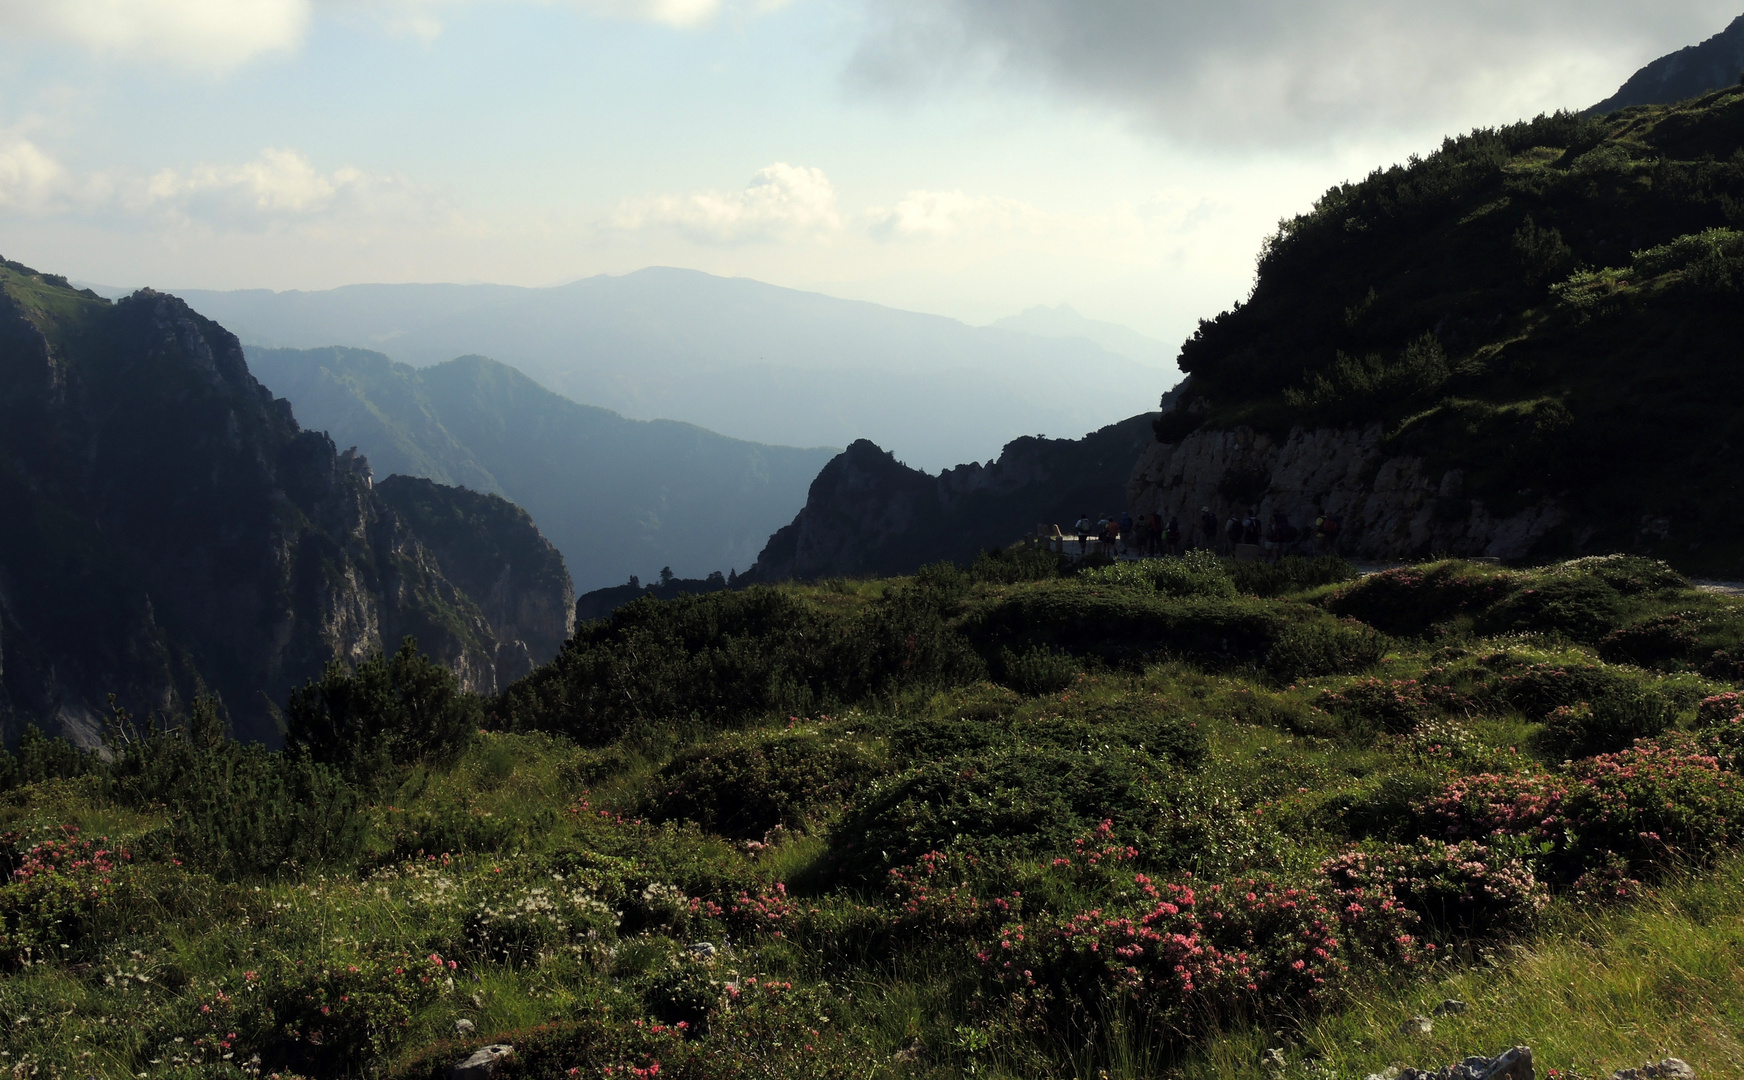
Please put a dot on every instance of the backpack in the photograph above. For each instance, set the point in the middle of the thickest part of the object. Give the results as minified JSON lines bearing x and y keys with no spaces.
{"x":1331,"y":526}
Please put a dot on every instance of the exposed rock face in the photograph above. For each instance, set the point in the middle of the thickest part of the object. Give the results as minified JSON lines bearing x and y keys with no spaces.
{"x":868,"y":513}
{"x":168,"y":530}
{"x":491,"y":550}
{"x":1389,"y":507}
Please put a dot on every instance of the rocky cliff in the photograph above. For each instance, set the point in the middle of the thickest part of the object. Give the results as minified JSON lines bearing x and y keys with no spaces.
{"x":868,"y":513}
{"x":491,"y":550}
{"x":1390,"y":507}
{"x":1523,"y":344}
{"x":168,"y":530}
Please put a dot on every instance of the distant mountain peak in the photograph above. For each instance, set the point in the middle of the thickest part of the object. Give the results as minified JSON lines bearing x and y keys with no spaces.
{"x":1689,"y":72}
{"x":1065,"y":321}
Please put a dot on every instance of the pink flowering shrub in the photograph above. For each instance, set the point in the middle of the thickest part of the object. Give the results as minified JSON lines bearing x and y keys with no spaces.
{"x":1466,"y":888}
{"x":934,"y":898}
{"x":51,"y":898}
{"x":1660,"y":800}
{"x":1720,"y":709}
{"x":1179,"y":952}
{"x":1527,"y":804}
{"x":1395,"y":706}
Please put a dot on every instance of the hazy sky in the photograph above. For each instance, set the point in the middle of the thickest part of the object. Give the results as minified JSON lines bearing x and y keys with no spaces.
{"x":967,"y":157}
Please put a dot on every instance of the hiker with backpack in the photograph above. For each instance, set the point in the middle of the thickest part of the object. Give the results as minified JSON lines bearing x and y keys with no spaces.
{"x":1326,"y":528}
{"x":1207,"y":528}
{"x":1232,"y":533}
{"x":1083,"y":530}
{"x":1172,"y":536}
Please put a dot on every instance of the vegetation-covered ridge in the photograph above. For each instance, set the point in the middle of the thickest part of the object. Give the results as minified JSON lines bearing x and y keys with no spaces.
{"x":1137,"y":819}
{"x":1551,"y":306}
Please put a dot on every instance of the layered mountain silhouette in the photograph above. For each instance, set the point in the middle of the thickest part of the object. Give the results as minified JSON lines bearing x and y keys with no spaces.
{"x":616,"y":496}
{"x":1689,"y":72}
{"x":746,"y":359}
{"x":169,"y":531}
{"x":868,"y":514}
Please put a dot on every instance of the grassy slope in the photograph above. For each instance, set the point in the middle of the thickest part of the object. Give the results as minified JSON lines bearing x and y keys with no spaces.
{"x":535,"y":833}
{"x":1549,"y":373}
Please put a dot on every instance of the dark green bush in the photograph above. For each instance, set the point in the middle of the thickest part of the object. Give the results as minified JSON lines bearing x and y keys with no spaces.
{"x":1411,"y":599}
{"x":728,"y":657}
{"x":1396,"y":706}
{"x":392,"y":712}
{"x":1651,"y":641}
{"x":1292,"y":573}
{"x":1007,"y":802}
{"x":1325,"y":647}
{"x":744,"y":785}
{"x":40,"y":758}
{"x":1197,"y":573}
{"x":1038,"y":670}
{"x":1120,"y":624}
{"x":1610,"y":723}
{"x":1006,"y":566}
{"x":1630,"y":575}
{"x":236,"y":809}
{"x":1577,"y":606}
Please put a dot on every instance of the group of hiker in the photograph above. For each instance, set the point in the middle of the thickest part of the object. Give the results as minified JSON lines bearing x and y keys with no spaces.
{"x":1151,"y":536}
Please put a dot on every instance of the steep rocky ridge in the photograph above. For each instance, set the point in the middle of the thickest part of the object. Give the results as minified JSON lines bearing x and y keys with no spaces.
{"x":1689,"y":72}
{"x":868,"y":513}
{"x":491,"y":550}
{"x":617,"y":496}
{"x":1524,"y":345}
{"x":170,"y":531}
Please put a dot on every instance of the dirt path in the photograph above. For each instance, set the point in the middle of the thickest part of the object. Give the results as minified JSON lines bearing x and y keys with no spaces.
{"x":1728,"y":588}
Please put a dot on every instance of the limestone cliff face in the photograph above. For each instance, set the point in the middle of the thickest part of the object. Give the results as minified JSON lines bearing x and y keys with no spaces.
{"x":1390,"y":507}
{"x":868,"y":513}
{"x":490,"y":549}
{"x":167,"y":530}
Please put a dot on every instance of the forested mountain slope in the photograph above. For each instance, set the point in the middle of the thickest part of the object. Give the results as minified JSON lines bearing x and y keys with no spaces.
{"x":168,"y":531}
{"x":1526,"y":343}
{"x":618,"y":497}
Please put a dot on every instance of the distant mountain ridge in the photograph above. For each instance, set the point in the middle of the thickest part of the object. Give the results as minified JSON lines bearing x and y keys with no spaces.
{"x":1064,"y":321}
{"x":740,"y":357}
{"x":1689,"y":72}
{"x":868,"y":514}
{"x":616,"y":496}
{"x":169,"y":531}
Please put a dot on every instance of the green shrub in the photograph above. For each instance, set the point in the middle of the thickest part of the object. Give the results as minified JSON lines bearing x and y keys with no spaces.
{"x":728,"y":657}
{"x":1651,"y":641}
{"x":1003,"y":802}
{"x":1037,"y":671}
{"x":1125,"y":625}
{"x":1395,"y":706}
{"x":40,"y":758}
{"x":1630,"y":575}
{"x":744,"y":785}
{"x":1411,"y":599}
{"x":236,"y":809}
{"x":392,"y":712}
{"x":54,"y":895}
{"x":1197,"y":573}
{"x":1325,"y":647}
{"x":1579,"y":607}
{"x":1006,"y":566}
{"x":1292,"y":573}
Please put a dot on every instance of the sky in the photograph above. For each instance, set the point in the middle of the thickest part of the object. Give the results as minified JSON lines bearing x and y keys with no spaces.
{"x":970,"y":158}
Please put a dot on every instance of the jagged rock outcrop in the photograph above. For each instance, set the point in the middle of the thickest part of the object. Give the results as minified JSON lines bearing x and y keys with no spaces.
{"x":869,"y":514}
{"x":491,"y":550}
{"x":169,"y":531}
{"x":1689,"y":72}
{"x":1390,"y":507}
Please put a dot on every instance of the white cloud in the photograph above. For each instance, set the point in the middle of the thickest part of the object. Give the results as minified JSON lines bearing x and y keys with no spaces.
{"x":782,"y":201}
{"x":278,"y":190}
{"x":939,"y":214}
{"x":212,"y":35}
{"x":1271,"y":72}
{"x":30,"y":180}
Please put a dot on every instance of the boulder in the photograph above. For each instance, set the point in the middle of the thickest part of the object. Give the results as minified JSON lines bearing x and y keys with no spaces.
{"x":484,"y":1064}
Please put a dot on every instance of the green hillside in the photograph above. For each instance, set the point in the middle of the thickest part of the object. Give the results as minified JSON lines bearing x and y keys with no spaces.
{"x":616,"y":496}
{"x":1128,"y":822}
{"x":1552,"y":306}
